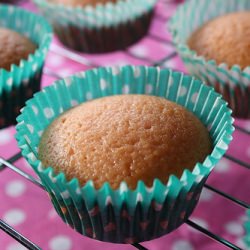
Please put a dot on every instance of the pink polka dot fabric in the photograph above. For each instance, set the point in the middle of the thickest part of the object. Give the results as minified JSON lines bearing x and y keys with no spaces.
{"x":28,"y":209}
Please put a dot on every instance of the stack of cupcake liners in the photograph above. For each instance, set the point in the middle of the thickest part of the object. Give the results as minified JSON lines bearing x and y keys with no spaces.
{"x":124,"y":215}
{"x":103,"y":28}
{"x":232,"y":82}
{"x":21,"y":81}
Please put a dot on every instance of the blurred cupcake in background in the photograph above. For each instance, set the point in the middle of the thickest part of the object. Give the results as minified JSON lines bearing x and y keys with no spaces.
{"x":97,"y":26}
{"x":24,"y":42}
{"x":212,"y":38}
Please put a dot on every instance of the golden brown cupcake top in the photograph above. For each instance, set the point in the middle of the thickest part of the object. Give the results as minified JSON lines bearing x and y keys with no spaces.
{"x":124,"y":138}
{"x":13,"y":48}
{"x":82,"y":3}
{"x":225,"y":39}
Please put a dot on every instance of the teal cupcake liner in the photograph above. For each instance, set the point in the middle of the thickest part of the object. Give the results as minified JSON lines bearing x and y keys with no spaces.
{"x":247,"y":230}
{"x":232,"y":82}
{"x":21,"y":81}
{"x":104,"y":28}
{"x":124,"y":215}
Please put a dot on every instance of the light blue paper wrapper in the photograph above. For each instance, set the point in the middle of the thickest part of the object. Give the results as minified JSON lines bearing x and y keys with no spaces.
{"x":232,"y":82}
{"x":23,"y":80}
{"x":102,"y":28}
{"x":124,"y":215}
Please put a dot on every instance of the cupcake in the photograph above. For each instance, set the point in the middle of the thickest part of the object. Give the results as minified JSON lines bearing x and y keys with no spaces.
{"x":215,"y":46}
{"x":224,"y":39}
{"x":124,"y":138}
{"x":137,"y":171}
{"x":98,"y":26}
{"x":14,"y":47}
{"x":24,"y":41}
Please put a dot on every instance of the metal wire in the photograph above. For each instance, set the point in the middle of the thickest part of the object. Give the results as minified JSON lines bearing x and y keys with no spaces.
{"x":212,"y":235}
{"x":18,"y":236}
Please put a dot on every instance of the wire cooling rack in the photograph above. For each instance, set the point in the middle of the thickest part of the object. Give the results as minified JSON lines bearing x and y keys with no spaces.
{"x":9,"y":164}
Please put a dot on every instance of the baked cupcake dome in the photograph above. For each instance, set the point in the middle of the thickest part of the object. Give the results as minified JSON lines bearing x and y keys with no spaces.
{"x":13,"y":48}
{"x":225,"y":39}
{"x":233,"y":82}
{"x":124,"y":138}
{"x":22,"y":78}
{"x":107,"y":27}
{"x":125,"y":215}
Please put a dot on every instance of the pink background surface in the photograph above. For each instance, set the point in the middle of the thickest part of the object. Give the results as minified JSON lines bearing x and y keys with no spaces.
{"x":28,"y":209}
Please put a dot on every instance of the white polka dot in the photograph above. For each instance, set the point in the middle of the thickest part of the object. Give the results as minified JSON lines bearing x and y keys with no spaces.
{"x":30,"y":128}
{"x":125,"y":89}
{"x":68,"y":81}
{"x":209,"y":127}
{"x":182,"y":245}
{"x":74,"y":103}
{"x":234,"y":228}
{"x":248,"y":152}
{"x":55,"y":61}
{"x":31,"y":156}
{"x":183,"y":91}
{"x":115,"y":71}
{"x":10,"y":82}
{"x":34,"y":67}
{"x":140,"y":51}
{"x":65,"y":194}
{"x":206,"y":195}
{"x":137,"y":72}
{"x":25,"y":81}
{"x":11,"y":10}
{"x":14,"y":217}
{"x":223,"y":166}
{"x":247,"y":126}
{"x":170,"y":64}
{"x":16,"y":246}
{"x":35,"y":109}
{"x":64,"y":72}
{"x":119,"y":63}
{"x":170,"y":81}
{"x":78,"y":191}
{"x":103,"y":84}
{"x":52,"y":214}
{"x":89,"y":96}
{"x":139,"y":198}
{"x":15,"y":188}
{"x":37,"y":27}
{"x":194,"y":97}
{"x":149,"y":89}
{"x":5,"y":137}
{"x":123,"y":188}
{"x":60,"y":242}
{"x":48,"y":112}
{"x":18,"y":23}
{"x":108,"y":200}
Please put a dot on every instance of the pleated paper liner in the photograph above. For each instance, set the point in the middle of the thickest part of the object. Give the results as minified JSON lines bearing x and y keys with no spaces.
{"x":124,"y":215}
{"x":247,"y":231}
{"x":233,"y":83}
{"x":19,"y":84}
{"x":104,"y":28}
